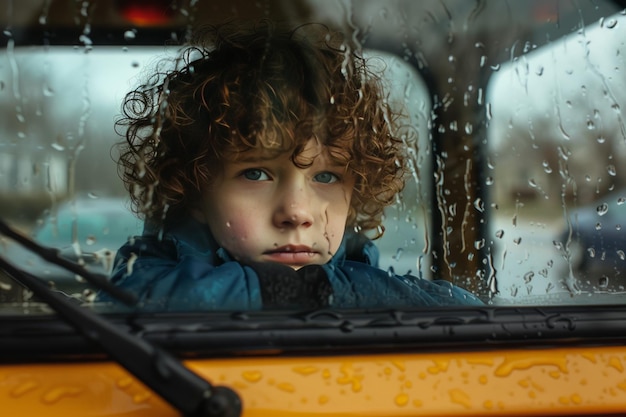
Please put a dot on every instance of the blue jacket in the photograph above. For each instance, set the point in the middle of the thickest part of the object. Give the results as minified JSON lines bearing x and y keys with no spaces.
{"x":183,"y":269}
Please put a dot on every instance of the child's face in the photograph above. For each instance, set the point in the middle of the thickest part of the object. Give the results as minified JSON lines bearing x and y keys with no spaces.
{"x":270,"y":210}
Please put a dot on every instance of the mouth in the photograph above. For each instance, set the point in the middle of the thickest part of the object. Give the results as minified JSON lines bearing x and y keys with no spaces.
{"x":292,"y":254}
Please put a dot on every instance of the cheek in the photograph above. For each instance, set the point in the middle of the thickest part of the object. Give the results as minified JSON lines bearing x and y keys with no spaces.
{"x":335,"y":229}
{"x":234,"y":229}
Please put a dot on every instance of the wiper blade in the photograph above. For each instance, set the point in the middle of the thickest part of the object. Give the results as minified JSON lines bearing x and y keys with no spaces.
{"x":186,"y":391}
{"x":51,"y":255}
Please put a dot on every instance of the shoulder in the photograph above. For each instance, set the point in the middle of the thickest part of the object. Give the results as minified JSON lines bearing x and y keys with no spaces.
{"x":356,"y":284}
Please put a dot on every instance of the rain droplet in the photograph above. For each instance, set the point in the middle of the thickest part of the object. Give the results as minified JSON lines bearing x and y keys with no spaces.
{"x":611,"y":170}
{"x":558,"y":245}
{"x":528,"y":276}
{"x":621,"y":255}
{"x":479,"y":205}
{"x":91,"y":239}
{"x":129,"y":35}
{"x":546,"y":167}
{"x":86,"y":40}
{"x":499,"y":234}
{"x":610,"y":24}
{"x":517,"y":240}
{"x":602,"y":209}
{"x":598,"y":226}
{"x":489,"y":180}
{"x":603,"y":282}
{"x":601,"y":139}
{"x":479,"y":244}
{"x":58,"y":147}
{"x":398,"y":254}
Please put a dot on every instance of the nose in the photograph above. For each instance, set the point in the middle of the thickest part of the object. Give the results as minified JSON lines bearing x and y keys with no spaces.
{"x":294,"y":208}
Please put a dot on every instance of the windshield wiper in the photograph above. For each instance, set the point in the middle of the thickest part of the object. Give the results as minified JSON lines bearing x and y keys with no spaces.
{"x":186,"y":391}
{"x":51,"y":255}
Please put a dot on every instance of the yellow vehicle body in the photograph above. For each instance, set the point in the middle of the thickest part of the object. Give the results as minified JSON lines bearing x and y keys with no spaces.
{"x":525,"y":382}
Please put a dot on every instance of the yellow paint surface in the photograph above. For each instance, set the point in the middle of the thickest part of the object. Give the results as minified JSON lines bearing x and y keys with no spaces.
{"x":513,"y":382}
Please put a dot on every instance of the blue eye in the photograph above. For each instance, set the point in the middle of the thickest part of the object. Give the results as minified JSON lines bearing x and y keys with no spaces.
{"x":255,"y":174}
{"x":326,"y":178}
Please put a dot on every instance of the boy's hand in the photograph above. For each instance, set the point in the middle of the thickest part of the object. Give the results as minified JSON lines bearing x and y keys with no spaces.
{"x":284,"y":287}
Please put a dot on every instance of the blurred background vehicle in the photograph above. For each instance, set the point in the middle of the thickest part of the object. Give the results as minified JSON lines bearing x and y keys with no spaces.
{"x":594,"y":241}
{"x":87,"y":230}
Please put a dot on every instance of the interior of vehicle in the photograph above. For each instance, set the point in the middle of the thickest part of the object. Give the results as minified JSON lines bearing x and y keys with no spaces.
{"x":515,"y":191}
{"x":518,"y":124}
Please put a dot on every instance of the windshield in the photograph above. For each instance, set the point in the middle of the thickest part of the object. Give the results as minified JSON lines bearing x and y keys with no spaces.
{"x":502,"y":120}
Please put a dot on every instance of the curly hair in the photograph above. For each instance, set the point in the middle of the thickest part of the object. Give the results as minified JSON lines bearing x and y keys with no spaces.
{"x":233,"y":90}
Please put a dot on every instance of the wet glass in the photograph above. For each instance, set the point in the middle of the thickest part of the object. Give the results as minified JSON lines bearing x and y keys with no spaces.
{"x":516,"y":190}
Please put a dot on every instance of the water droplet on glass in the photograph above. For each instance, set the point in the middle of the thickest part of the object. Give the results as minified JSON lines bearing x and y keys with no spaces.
{"x":620,"y":254}
{"x":611,"y":170}
{"x":58,"y":147}
{"x":489,"y":180}
{"x":602,"y":209}
{"x":129,"y":35}
{"x":601,"y":139}
{"x":610,"y":24}
{"x":558,"y":245}
{"x":499,"y":234}
{"x":603,"y":282}
{"x":517,"y":240}
{"x":86,"y":40}
{"x":591,"y":125}
{"x":479,"y":205}
{"x":398,"y":254}
{"x":479,"y":244}
{"x":528,"y":276}
{"x":598,"y":226}
{"x":546,"y":167}
{"x":91,"y":239}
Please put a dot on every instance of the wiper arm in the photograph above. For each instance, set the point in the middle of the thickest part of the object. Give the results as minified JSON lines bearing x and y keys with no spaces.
{"x":186,"y":391}
{"x":51,"y":255}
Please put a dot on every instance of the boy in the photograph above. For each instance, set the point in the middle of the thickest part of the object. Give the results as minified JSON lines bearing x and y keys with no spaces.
{"x":257,"y":163}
